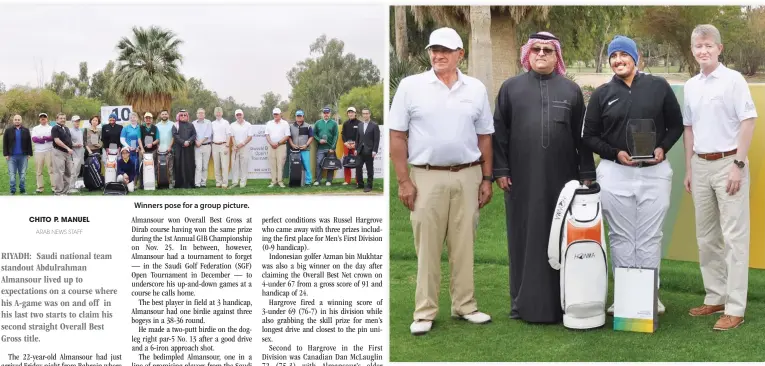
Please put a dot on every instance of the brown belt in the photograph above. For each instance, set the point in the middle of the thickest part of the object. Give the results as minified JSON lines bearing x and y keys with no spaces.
{"x":219,"y":143}
{"x":717,"y":155}
{"x":451,"y":168}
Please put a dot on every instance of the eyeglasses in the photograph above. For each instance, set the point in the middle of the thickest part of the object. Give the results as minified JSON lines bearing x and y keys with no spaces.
{"x":547,"y":51}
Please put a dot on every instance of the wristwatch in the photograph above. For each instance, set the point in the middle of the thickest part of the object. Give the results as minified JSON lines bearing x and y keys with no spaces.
{"x":487,"y":177}
{"x":739,"y":163}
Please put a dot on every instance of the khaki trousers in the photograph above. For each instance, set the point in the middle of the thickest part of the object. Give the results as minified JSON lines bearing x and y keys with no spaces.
{"x":221,"y":159}
{"x":276,"y":159}
{"x":201,"y":161}
{"x":62,"y":171}
{"x":44,"y":160}
{"x":240,"y":166}
{"x":445,"y":209}
{"x":722,"y":233}
{"x":77,"y":160}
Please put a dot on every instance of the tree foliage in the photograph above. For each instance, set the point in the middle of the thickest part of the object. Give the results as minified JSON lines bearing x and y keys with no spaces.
{"x":320,"y":81}
{"x":148,"y":71}
{"x":365,"y":97}
{"x":147,"y":76}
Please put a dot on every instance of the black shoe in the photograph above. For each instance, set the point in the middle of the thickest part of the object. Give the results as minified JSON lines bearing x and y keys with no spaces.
{"x":13,"y":193}
{"x":368,"y":189}
{"x":23,"y":192}
{"x":359,"y":187}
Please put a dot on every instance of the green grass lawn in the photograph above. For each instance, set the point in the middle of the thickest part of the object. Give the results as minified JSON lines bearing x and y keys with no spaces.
{"x":680,"y":337}
{"x":254,"y":186}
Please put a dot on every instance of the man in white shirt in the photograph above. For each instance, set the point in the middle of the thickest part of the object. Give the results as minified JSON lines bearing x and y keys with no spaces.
{"x":78,"y":157}
{"x":277,"y":134}
{"x":719,"y":117}
{"x":203,"y":150}
{"x":221,"y":140}
{"x":241,"y":133}
{"x":43,"y":147}
{"x":449,"y":123}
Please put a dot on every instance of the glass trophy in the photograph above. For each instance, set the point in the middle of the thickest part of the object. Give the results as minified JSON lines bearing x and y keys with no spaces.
{"x":94,"y":139}
{"x":133,"y":144}
{"x":641,"y":139}
{"x":148,"y":140}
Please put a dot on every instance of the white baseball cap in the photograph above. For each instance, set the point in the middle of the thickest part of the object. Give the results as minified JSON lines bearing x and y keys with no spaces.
{"x":276,"y":111}
{"x":446,"y":37}
{"x":350,"y":109}
{"x":238,"y":111}
{"x":75,"y":118}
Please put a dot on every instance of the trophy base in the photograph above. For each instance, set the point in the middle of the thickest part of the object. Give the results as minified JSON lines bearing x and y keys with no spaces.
{"x":642,"y":158}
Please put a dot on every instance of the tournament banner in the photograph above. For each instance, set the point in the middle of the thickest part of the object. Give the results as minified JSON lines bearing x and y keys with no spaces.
{"x":259,"y":168}
{"x":679,"y":239}
{"x":258,"y":147}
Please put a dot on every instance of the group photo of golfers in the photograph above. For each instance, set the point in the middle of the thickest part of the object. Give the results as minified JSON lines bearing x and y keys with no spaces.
{"x":573,"y":183}
{"x":164,"y":113}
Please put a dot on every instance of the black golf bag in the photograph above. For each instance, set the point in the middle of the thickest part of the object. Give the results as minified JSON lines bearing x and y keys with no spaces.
{"x":297,"y":174}
{"x":91,"y":173}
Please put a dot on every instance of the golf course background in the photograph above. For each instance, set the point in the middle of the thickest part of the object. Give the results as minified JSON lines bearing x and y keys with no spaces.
{"x":679,"y":337}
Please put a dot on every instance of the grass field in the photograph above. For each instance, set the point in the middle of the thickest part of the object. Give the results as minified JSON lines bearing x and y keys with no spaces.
{"x":254,"y":186}
{"x":680,"y":337}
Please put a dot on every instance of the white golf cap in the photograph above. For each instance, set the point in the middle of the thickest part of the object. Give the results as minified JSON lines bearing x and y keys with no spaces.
{"x":446,"y":37}
{"x":276,"y":111}
{"x":350,"y":109}
{"x":75,"y":118}
{"x":238,"y":111}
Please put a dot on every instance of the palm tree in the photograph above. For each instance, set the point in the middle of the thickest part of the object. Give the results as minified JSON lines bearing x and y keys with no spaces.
{"x":501,"y":49}
{"x":148,"y":71}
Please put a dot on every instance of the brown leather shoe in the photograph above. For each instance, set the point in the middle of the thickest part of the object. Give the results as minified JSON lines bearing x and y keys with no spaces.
{"x":706,"y":310}
{"x":727,"y":322}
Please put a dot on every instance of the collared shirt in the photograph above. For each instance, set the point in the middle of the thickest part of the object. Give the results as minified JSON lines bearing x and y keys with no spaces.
{"x":221,"y":130}
{"x":204,"y":130}
{"x":443,"y":123}
{"x":165,"y":130}
{"x":17,"y":145}
{"x":61,"y":132}
{"x":364,"y":126}
{"x":40,"y":133}
{"x":240,"y":131}
{"x":78,"y":134}
{"x":714,"y":105}
{"x":149,"y":131}
{"x":130,"y":135}
{"x":277,"y":131}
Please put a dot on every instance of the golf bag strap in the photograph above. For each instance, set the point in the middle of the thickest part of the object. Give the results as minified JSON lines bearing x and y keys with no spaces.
{"x":559,"y":219}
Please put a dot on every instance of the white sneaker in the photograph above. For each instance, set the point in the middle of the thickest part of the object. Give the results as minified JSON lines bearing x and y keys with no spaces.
{"x":271,"y":185}
{"x":662,"y":309}
{"x":420,"y":327}
{"x":476,"y":317}
{"x":316,"y":183}
{"x":610,"y":310}
{"x":329,"y":183}
{"x":345,"y":183}
{"x":281,"y":184}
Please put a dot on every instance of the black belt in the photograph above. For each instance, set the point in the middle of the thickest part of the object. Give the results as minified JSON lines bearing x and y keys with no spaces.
{"x":451,"y":168}
{"x":639,"y":164}
{"x":206,"y":143}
